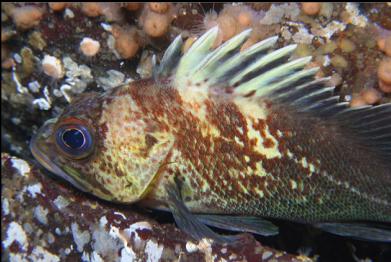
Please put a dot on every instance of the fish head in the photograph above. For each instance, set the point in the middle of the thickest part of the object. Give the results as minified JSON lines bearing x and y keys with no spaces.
{"x":103,"y":144}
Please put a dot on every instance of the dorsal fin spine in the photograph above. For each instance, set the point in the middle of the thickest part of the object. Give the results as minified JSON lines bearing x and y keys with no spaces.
{"x":261,"y":81}
{"x":170,"y":59}
{"x":242,"y":56}
{"x":211,"y":61}
{"x":263,"y":61}
{"x":286,"y":81}
{"x":196,"y":53}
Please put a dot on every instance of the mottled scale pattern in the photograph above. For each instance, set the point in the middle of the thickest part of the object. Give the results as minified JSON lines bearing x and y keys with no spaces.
{"x":231,"y":161}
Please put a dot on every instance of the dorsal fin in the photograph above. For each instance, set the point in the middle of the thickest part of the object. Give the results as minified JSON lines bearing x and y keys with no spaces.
{"x":170,"y":59}
{"x":372,"y":123}
{"x":260,"y":71}
{"x":196,"y":53}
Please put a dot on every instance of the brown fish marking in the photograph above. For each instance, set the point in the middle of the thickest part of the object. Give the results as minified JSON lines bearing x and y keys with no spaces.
{"x":261,"y":127}
{"x":223,"y":167}
{"x":299,"y":173}
{"x":208,"y":158}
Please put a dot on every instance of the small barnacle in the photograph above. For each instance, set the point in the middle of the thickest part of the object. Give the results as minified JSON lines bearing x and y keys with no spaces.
{"x":386,"y":88}
{"x":8,"y":63}
{"x":160,"y":8}
{"x":91,"y":9}
{"x":227,"y":26}
{"x":52,"y":67}
{"x":384,"y":74}
{"x":6,"y":34}
{"x":126,"y":41}
{"x":89,"y":47}
{"x":112,"y":12}
{"x":384,"y":44}
{"x":371,"y":95}
{"x":384,"y":70}
{"x":132,"y":6}
{"x":357,"y":101}
{"x":27,"y":17}
{"x":347,"y":45}
{"x":310,"y":8}
{"x":155,"y":24}
{"x":245,"y":18}
{"x":58,"y":6}
{"x":339,"y":61}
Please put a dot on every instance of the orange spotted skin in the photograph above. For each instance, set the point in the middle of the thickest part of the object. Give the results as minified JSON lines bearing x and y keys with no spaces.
{"x":230,"y":156}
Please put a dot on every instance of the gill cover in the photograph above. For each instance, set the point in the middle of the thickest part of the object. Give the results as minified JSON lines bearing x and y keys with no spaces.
{"x":129,"y":163}
{"x":151,"y":166}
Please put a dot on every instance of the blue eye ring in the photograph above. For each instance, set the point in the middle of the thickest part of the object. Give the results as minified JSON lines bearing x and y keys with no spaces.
{"x":74,"y":140}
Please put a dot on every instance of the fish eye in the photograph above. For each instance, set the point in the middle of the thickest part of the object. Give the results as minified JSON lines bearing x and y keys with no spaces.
{"x":74,"y":140}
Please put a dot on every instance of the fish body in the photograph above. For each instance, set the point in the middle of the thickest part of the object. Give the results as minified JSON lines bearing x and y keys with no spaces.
{"x":248,"y":133}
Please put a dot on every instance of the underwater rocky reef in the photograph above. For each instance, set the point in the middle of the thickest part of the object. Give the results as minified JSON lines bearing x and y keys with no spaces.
{"x":53,"y":52}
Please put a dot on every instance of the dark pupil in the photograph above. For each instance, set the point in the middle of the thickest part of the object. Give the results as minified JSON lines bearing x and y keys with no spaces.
{"x":73,"y":138}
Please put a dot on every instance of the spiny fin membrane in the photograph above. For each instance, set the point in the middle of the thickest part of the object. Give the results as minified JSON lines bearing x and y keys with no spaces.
{"x":264,"y":73}
{"x":372,"y":124}
{"x":357,"y":231}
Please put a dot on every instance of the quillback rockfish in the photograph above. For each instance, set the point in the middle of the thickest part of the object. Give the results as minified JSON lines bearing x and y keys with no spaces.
{"x":225,"y":138}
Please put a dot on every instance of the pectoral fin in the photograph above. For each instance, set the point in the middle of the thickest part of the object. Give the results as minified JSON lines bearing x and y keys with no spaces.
{"x":249,"y":224}
{"x":189,"y":222}
{"x":358,"y":231}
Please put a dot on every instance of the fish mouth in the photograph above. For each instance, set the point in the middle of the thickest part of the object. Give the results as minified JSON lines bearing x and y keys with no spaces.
{"x":39,"y":154}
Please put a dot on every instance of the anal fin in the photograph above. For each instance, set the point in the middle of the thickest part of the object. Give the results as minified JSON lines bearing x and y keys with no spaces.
{"x":357,"y":230}
{"x":190,"y":223}
{"x":249,"y":224}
